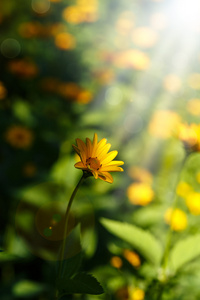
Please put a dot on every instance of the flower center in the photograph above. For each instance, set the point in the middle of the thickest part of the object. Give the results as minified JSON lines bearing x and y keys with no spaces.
{"x":93,"y":163}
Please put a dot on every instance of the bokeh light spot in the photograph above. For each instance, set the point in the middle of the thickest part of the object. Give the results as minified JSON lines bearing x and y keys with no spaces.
{"x":114,"y":95}
{"x":48,"y":232}
{"x":40,"y":6}
{"x":10,"y":48}
{"x":56,"y":217}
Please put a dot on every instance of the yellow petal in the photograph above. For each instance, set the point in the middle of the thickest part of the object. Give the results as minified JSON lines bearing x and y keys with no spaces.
{"x":111,"y":169}
{"x":110,"y":156}
{"x":115,"y":163}
{"x":80,"y":165}
{"x":100,"y":146}
{"x":94,"y":145}
{"x":104,"y":151}
{"x":76,"y":149}
{"x":89,"y":147}
{"x":106,"y":177}
{"x":83,"y":149}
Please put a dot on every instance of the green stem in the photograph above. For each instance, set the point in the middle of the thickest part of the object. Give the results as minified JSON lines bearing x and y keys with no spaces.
{"x":170,"y":233}
{"x":85,"y":175}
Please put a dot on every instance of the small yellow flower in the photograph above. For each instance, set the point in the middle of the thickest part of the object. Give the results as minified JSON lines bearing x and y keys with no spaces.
{"x":193,"y":203}
{"x":140,"y":193}
{"x":136,"y":294}
{"x":177,"y":219}
{"x":190,"y":136}
{"x":96,"y":160}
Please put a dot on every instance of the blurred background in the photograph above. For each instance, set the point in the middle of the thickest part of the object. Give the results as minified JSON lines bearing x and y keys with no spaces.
{"x":127,"y":70}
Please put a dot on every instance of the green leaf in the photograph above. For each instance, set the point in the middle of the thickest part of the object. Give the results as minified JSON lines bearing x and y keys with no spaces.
{"x":141,"y":240}
{"x":26,"y":289}
{"x":71,"y":265}
{"x":184,"y":251}
{"x":81,"y":283}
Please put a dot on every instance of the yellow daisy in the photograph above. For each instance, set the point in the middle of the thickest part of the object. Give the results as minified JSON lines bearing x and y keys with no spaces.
{"x":95,"y":158}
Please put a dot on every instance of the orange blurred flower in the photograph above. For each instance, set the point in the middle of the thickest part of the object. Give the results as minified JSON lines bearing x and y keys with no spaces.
{"x":140,"y":193}
{"x":132,"y":257}
{"x":34,"y":29}
{"x":19,"y":137}
{"x":69,"y":90}
{"x":65,"y":41}
{"x":116,"y":262}
{"x":84,"y":97}
{"x":3,"y":91}
{"x":23,"y":68}
{"x":176,"y":218}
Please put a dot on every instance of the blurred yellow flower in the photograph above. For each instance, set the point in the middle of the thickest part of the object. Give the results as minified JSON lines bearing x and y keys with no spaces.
{"x":183,"y":188}
{"x":132,"y":58}
{"x":116,"y":262}
{"x":190,"y":136}
{"x":140,"y":193}
{"x":83,"y":11}
{"x":125,"y":23}
{"x":136,"y":294}
{"x":163,"y":123}
{"x":95,"y":159}
{"x":3,"y":91}
{"x":194,"y":81}
{"x":140,"y":174}
{"x":65,"y":41}
{"x":176,"y":218}
{"x":132,"y":257}
{"x":19,"y":137}
{"x":172,"y":83}
{"x":193,"y":106}
{"x":193,"y":203}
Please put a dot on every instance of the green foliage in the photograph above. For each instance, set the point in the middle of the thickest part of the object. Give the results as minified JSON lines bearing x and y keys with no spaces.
{"x":184,"y":252}
{"x":27,"y":289}
{"x":81,"y":283}
{"x":142,"y":241}
{"x":71,"y":265}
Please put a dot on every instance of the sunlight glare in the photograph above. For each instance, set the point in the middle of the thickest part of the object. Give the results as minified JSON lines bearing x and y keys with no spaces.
{"x":186,"y":14}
